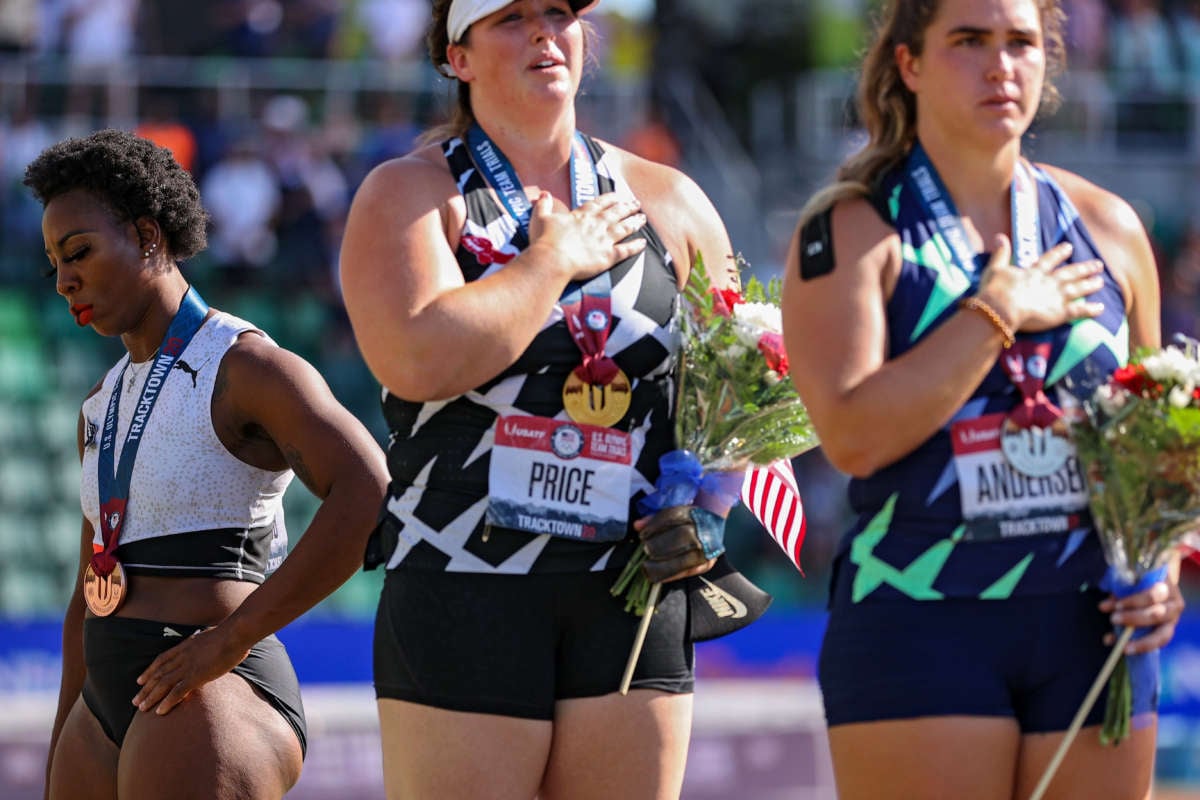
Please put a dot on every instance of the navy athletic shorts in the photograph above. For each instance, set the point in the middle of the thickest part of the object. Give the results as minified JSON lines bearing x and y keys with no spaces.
{"x":118,"y":649}
{"x":515,"y":644}
{"x":1031,"y":657}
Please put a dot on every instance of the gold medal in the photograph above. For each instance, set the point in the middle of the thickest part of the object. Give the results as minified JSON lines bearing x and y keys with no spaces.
{"x":103,"y":593}
{"x":590,"y":404}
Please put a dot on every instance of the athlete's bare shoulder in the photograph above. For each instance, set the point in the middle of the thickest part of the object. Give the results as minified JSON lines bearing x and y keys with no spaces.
{"x":650,"y":180}
{"x":1106,"y":214}
{"x":424,"y":167}
{"x":679,"y":210}
{"x":1123,"y":244}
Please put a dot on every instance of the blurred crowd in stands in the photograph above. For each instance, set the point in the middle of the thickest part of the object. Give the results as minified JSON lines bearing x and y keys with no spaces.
{"x":278,"y":181}
{"x":102,"y":32}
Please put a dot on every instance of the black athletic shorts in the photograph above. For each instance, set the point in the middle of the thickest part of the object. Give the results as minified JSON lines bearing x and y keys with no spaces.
{"x":118,"y":649}
{"x":515,"y":644}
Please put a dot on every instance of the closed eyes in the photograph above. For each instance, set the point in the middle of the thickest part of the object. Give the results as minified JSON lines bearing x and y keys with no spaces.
{"x":72,"y":257}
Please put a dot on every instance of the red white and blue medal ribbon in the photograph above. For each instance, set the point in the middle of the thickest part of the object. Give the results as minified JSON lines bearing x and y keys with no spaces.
{"x":1034,"y":438}
{"x":596,"y":392}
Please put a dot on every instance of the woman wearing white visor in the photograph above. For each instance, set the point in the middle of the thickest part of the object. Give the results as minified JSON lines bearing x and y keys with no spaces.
{"x":511,"y":284}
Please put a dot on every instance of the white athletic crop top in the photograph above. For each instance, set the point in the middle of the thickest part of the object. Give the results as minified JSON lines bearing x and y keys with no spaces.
{"x":194,"y":508}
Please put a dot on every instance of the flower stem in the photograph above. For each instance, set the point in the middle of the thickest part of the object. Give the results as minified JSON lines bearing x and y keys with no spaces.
{"x":640,"y":639}
{"x":631,"y":569}
{"x":1118,"y":711}
{"x":632,"y":582}
{"x":1077,"y":723}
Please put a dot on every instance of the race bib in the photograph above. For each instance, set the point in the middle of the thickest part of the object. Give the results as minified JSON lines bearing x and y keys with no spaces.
{"x":560,"y":477}
{"x":1001,"y":502}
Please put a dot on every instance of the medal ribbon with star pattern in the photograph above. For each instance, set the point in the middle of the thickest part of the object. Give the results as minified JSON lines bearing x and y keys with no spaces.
{"x":1026,"y":364}
{"x":587,"y":311}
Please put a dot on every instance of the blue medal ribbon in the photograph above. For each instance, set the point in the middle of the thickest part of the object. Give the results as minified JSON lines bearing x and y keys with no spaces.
{"x":114,"y":483}
{"x":935,"y":201}
{"x":500,"y":175}
{"x":926,"y":185}
{"x":586,"y":308}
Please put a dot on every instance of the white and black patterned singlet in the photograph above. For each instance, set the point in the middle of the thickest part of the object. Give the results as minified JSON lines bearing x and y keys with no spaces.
{"x":439,"y":452}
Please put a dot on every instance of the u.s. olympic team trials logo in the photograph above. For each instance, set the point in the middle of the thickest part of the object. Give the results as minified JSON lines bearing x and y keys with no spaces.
{"x":566,"y":441}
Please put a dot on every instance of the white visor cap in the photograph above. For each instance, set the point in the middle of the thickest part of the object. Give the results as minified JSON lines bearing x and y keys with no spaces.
{"x":465,"y":13}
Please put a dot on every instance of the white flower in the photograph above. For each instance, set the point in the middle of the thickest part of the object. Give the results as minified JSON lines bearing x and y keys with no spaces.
{"x":752,"y":320}
{"x":760,"y":316}
{"x":1180,"y":396}
{"x":1172,"y":365}
{"x":747,"y":335}
{"x":1111,"y":399}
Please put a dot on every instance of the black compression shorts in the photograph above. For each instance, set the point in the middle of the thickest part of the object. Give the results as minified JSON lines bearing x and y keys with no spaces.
{"x":118,"y":649}
{"x":515,"y":644}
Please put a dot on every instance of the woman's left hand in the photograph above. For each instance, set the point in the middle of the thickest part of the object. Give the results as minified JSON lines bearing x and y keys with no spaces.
{"x":178,"y":672}
{"x":675,"y":547}
{"x":1157,"y":608}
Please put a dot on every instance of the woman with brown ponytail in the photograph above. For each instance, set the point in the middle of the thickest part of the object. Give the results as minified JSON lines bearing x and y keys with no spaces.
{"x":942,"y":298}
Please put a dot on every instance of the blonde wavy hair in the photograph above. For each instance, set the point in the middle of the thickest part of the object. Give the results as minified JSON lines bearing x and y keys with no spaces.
{"x":888,"y":109}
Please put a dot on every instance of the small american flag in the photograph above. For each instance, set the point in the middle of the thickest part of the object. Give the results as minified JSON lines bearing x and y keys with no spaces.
{"x":771,"y":493}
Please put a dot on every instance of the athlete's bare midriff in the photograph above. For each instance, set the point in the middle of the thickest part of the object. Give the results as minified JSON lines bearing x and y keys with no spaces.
{"x":187,"y":601}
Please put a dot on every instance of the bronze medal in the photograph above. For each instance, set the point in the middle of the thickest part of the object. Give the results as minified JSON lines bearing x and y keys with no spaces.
{"x":104,"y":593}
{"x":592,"y":404}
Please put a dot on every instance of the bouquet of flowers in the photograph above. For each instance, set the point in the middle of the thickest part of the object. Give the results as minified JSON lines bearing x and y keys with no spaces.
{"x":1141,"y":447}
{"x":1138,"y":439}
{"x":735,"y":407}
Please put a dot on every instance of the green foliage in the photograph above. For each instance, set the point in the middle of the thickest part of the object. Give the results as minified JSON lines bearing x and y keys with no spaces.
{"x":732,"y":410}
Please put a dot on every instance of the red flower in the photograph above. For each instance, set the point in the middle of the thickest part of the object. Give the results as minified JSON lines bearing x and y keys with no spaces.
{"x":484,"y":252}
{"x":1134,"y":379}
{"x":771,"y":346}
{"x":725,"y":299}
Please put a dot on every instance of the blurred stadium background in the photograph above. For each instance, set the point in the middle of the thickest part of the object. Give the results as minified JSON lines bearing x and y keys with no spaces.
{"x":279,"y":107}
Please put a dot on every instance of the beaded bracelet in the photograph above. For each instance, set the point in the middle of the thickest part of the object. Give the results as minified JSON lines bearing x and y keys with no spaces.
{"x":975,"y":304}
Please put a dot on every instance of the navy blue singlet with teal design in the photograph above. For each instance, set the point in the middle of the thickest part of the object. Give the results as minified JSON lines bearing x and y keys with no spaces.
{"x":908,"y":539}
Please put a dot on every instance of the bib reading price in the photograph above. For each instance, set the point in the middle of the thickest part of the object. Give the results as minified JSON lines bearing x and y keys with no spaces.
{"x":560,"y":477}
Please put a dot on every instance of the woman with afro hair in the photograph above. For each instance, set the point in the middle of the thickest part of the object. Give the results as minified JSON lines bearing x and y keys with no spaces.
{"x":173,"y":683}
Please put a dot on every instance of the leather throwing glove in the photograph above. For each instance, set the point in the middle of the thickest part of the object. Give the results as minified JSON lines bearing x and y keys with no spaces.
{"x":680,"y":538}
